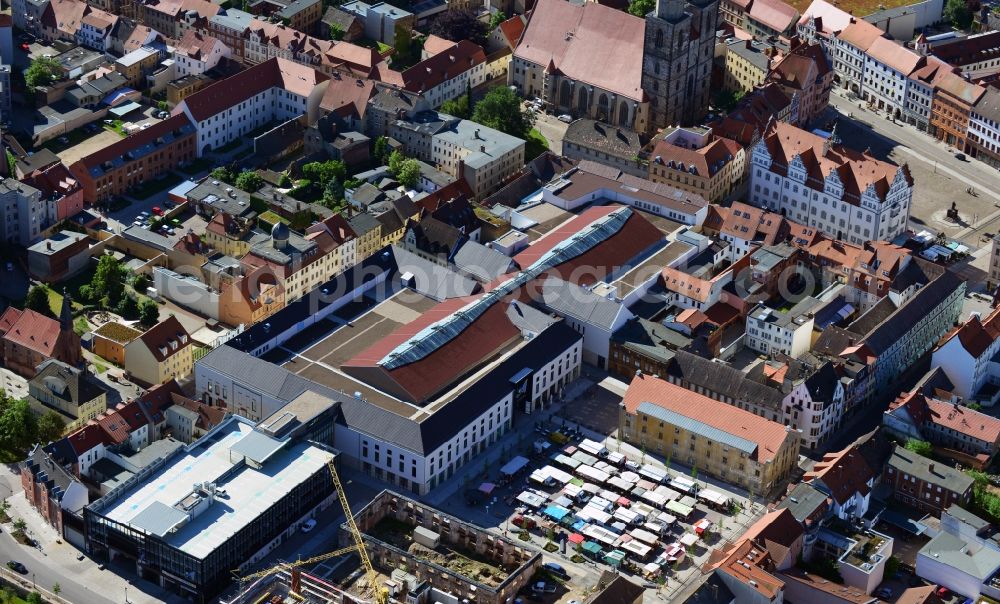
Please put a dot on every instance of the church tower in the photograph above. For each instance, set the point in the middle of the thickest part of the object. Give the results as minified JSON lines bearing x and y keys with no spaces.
{"x":677,"y":60}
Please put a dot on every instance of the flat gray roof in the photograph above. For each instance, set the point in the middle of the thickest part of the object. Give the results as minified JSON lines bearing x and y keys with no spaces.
{"x":250,"y":491}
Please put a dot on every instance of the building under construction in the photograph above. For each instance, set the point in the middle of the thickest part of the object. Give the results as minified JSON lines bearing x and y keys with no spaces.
{"x":424,"y":554}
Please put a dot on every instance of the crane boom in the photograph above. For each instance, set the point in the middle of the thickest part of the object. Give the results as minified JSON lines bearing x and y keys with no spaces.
{"x":290,"y":565}
{"x":359,"y":544}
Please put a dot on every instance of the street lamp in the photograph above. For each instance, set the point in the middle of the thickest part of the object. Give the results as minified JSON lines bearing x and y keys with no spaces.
{"x":126,"y":595}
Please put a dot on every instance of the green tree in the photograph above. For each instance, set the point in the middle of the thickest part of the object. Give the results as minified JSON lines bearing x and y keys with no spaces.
{"x":726,"y":100}
{"x":108,"y":281}
{"x":460,"y":24}
{"x":496,"y":19}
{"x":149,"y":313}
{"x":501,"y":110}
{"x":380,"y":150}
{"x":50,"y":427}
{"x":284,"y":181}
{"x":458,"y":107}
{"x":409,"y":173}
{"x":18,"y":426}
{"x":641,"y":8}
{"x":140,"y":282}
{"x":163,"y":106}
{"x":38,"y":300}
{"x":8,"y":595}
{"x":322,"y":172}
{"x":958,"y":13}
{"x":35,"y":598}
{"x":42,"y":72}
{"x":221,"y":173}
{"x":333,"y":193}
{"x":336,"y":32}
{"x":249,"y":181}
{"x":404,"y":42}
{"x":396,"y":160}
{"x":128,"y":308}
{"x":920,"y":447}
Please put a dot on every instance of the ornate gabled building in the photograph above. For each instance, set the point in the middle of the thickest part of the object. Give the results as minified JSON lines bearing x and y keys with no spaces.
{"x":815,"y":181}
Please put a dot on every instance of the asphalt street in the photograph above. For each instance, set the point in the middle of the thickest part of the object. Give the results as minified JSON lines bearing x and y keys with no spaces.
{"x":906,"y":143}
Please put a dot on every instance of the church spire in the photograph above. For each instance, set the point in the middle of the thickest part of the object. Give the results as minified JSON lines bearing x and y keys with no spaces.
{"x":66,"y":313}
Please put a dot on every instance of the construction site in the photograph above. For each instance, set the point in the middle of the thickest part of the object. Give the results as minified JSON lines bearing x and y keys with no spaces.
{"x":416,"y":547}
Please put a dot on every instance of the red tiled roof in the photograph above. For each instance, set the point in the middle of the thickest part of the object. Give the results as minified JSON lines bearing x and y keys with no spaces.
{"x":512,"y":29}
{"x":960,"y":88}
{"x":860,"y":34}
{"x":436,"y":44}
{"x":161,"y":338}
{"x":708,"y":160}
{"x":115,"y":426}
{"x":32,"y":330}
{"x":443,"y":66}
{"x":769,"y":436}
{"x":8,"y":319}
{"x":347,"y":97}
{"x":493,"y":330}
{"x":895,"y":55}
{"x":196,"y":45}
{"x":569,"y":37}
{"x":54,"y":180}
{"x":135,"y":141}
{"x":955,"y":417}
{"x":976,"y":335}
{"x":774,"y":13}
{"x":844,"y":472}
{"x":832,"y":18}
{"x":88,"y":437}
{"x":132,"y":414}
{"x":856,"y":170}
{"x":749,"y":223}
{"x":273,"y":73}
{"x":99,"y":19}
{"x":64,"y":15}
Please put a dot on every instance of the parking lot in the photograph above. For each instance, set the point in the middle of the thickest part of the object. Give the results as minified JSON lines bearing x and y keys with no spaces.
{"x":595,"y":505}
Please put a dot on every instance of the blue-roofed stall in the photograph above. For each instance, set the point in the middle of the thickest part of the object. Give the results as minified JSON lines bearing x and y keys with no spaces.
{"x":556,"y":512}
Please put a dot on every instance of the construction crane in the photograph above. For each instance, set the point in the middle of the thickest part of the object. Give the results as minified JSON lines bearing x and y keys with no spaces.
{"x":291,"y":565}
{"x":381,"y":594}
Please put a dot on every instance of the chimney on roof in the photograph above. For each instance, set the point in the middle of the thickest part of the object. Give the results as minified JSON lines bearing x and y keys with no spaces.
{"x":930,"y":468}
{"x":48,"y":245}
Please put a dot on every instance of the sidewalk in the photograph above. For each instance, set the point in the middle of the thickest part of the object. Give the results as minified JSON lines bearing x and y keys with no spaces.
{"x":60,"y":557}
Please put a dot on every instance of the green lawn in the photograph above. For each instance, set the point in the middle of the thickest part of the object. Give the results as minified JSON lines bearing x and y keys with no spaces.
{"x":536,"y":145}
{"x":56,"y":301}
{"x":116,"y":126}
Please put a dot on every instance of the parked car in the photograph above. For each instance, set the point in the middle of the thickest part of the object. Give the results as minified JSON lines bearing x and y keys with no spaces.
{"x":543,"y":588}
{"x":308,"y":525}
{"x":25,"y":46}
{"x":16,"y":566}
{"x":942,"y":592}
{"x":525,"y":522}
{"x":557,"y":570}
{"x":885,"y":593}
{"x":158,"y":210}
{"x":144,"y":126}
{"x":10,"y":266}
{"x":960,"y":156}
{"x":565,"y":118}
{"x":64,"y":140}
